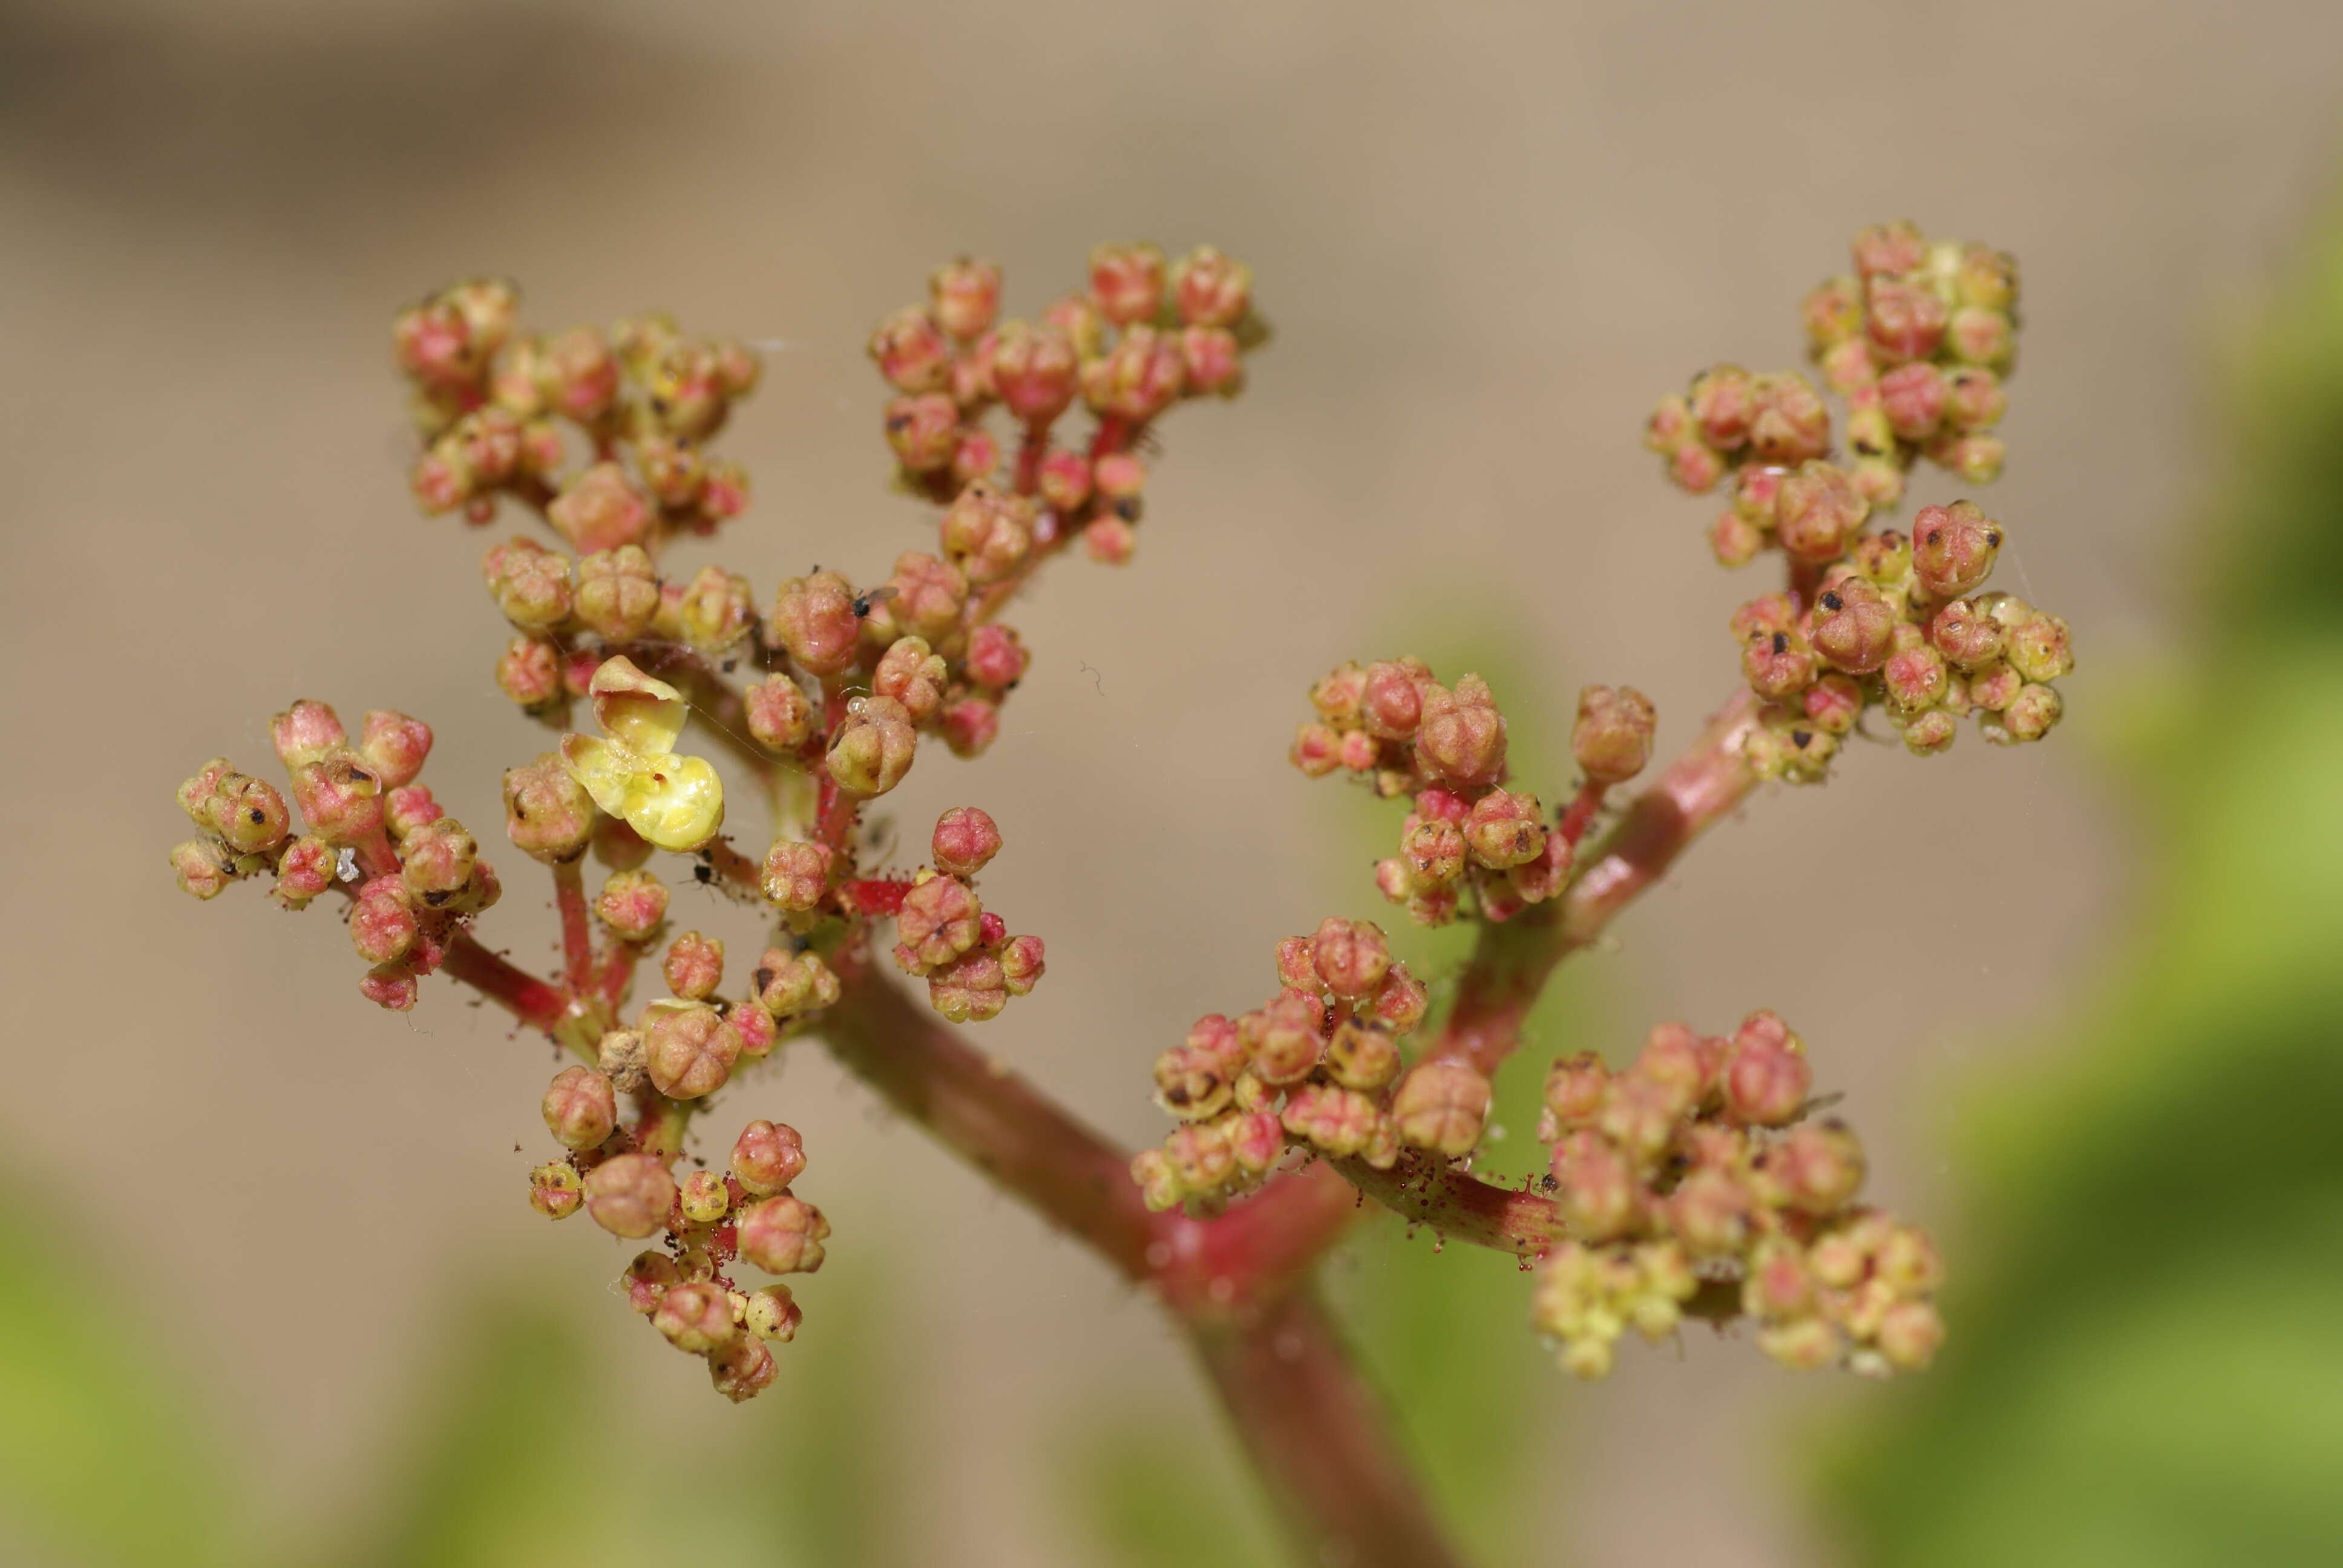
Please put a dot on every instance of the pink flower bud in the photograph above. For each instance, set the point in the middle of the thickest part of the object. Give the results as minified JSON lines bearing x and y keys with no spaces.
{"x":306,"y":869}
{"x":1833,"y":312}
{"x":937,"y":922}
{"x":988,"y":532}
{"x":970,"y":724}
{"x":1764,"y":1085}
{"x":203,"y":868}
{"x":1351,"y":957}
{"x":581,"y":1108}
{"x":1889,"y":247}
{"x":766,"y":1157}
{"x":549,"y":816}
{"x":1735,"y":540}
{"x":928,"y":594}
{"x":1035,"y":370}
{"x":1596,"y":1187}
{"x":964,"y":841}
{"x":1973,"y":399}
{"x":630,"y":1195}
{"x":529,"y":672}
{"x":783,"y":1235}
{"x":305,"y":733}
{"x":779,"y":717}
{"x":689,"y":1049}
{"x":1788,"y":422}
{"x":617,"y":593}
{"x":1283,"y":1038}
{"x":1142,"y":375}
{"x":1978,"y":336}
{"x":1914,"y":680}
{"x":911,"y":676}
{"x":1399,"y":1003}
{"x":923,"y":431}
{"x":1127,"y":282}
{"x":601,"y":510}
{"x":871,"y":748}
{"x":1855,"y":628}
{"x":1442,"y":1106}
{"x":1904,"y":321}
{"x":971,"y":989}
{"x":996,"y":658}
{"x":1914,"y":397}
{"x":787,"y":985}
{"x":962,"y":295}
{"x":437,"y":862}
{"x":1953,"y":548}
{"x":1720,"y":406}
{"x":1462,"y":737}
{"x":1832,"y":704}
{"x":694,"y":966}
{"x":695,"y":1318}
{"x":1575,"y":1089}
{"x":1778,"y":665}
{"x":1817,"y":1168}
{"x":813,"y":618}
{"x":702,"y":1198}
{"x":1695,"y":468}
{"x":1391,"y":703}
{"x":1612,"y":739}
{"x":2028,"y":716}
{"x":1211,"y":362}
{"x":1317,"y":751}
{"x":1065,"y":481}
{"x":1024,"y":961}
{"x":911,"y":351}
{"x":1211,"y":290}
{"x":1818,"y":513}
{"x":633,"y":904}
{"x":743,"y":1368}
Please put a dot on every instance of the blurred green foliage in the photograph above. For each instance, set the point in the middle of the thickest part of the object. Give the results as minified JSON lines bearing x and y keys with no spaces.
{"x":2146,"y":1366}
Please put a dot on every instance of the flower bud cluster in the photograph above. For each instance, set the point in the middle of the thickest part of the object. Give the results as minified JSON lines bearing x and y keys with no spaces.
{"x":1898,"y":624}
{"x":707,"y":1222}
{"x":944,"y":934}
{"x":413,"y":873}
{"x":1917,"y":340}
{"x":1697,"y":1164}
{"x":490,"y":405}
{"x":1145,"y":335}
{"x":1318,"y":1066}
{"x":1393,"y":725}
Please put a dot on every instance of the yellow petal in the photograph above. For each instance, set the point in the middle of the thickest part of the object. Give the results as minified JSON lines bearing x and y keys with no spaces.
{"x":605,"y":768}
{"x":676,"y":803}
{"x":636,"y":711}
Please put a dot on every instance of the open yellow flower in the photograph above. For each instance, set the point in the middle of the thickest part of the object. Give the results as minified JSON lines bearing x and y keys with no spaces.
{"x":632,"y":769}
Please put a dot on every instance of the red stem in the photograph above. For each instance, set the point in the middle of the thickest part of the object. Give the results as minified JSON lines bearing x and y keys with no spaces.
{"x":1581,"y":812}
{"x":1320,"y":1438}
{"x":534,"y":1002}
{"x":1511,"y":959}
{"x":577,"y":930}
{"x":1030,"y":450}
{"x":618,"y":970}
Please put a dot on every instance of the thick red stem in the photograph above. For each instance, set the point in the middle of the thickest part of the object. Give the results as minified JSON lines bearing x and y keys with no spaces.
{"x":881,"y":896}
{"x":1320,"y":1438}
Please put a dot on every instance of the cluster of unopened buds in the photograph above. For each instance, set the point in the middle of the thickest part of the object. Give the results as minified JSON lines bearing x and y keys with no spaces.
{"x":1393,"y":725}
{"x":845,"y":682}
{"x":1696,"y":1166}
{"x":1918,"y":341}
{"x":413,"y":875}
{"x":1315,"y":1066}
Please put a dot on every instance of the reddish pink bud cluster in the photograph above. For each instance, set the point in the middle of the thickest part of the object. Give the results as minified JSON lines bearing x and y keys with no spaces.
{"x":1897,"y":624}
{"x":645,"y":396}
{"x":412,"y":872}
{"x":1696,"y":1164}
{"x":708,"y":1223}
{"x":1317,"y":1066}
{"x":1144,"y":337}
{"x":1393,"y":725}
{"x":1916,"y":340}
{"x":945,"y":936}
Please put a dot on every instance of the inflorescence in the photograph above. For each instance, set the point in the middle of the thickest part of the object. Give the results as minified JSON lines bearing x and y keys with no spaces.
{"x":605,"y":436}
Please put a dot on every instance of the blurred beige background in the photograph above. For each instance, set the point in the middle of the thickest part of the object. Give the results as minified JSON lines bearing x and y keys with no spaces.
{"x":1487,"y":237}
